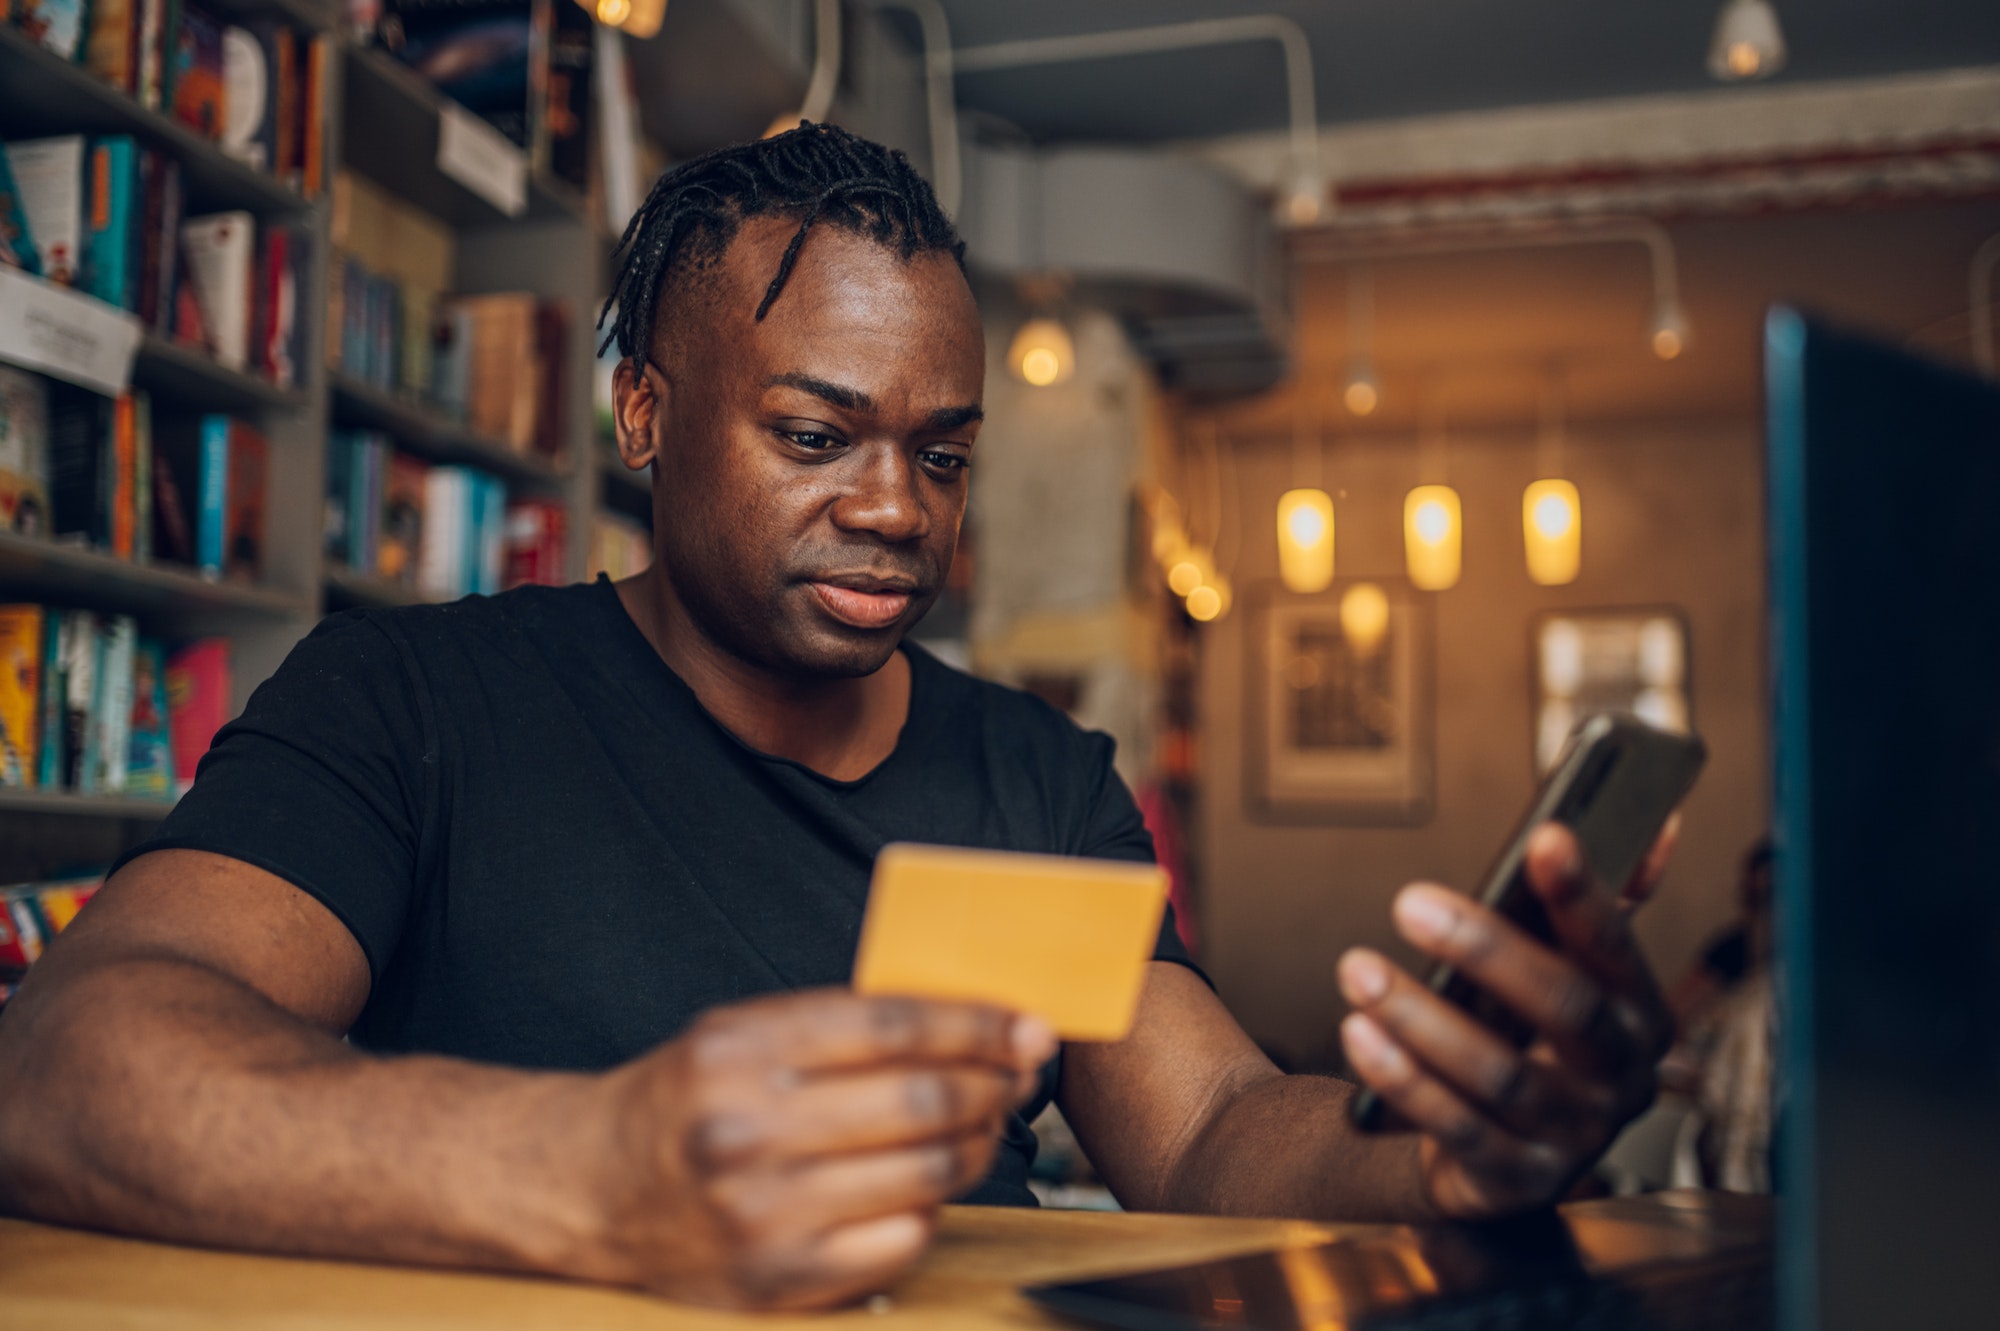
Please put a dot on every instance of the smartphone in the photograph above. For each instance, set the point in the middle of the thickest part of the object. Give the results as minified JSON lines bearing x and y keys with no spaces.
{"x":1615,"y":783}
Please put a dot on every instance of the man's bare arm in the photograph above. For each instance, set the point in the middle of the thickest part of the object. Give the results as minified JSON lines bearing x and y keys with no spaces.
{"x":173,"y":1067}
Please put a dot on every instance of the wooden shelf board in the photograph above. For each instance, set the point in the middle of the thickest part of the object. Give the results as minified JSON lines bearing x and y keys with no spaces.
{"x":167,"y":368}
{"x":31,"y":568}
{"x":391,"y":136}
{"x":88,"y":806}
{"x":346,"y":589}
{"x":307,"y":14}
{"x":41,"y":93}
{"x":424,"y":431}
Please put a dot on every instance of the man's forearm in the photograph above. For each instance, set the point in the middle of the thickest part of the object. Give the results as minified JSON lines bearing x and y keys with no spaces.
{"x":1283,"y":1146}
{"x":160,"y":1097}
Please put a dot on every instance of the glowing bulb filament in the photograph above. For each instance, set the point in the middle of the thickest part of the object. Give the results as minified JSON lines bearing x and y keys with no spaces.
{"x":1431,"y":537}
{"x":1305,"y":540}
{"x":1552,"y":528}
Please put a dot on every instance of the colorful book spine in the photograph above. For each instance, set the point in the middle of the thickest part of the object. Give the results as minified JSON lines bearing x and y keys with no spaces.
{"x":112,"y":49}
{"x":56,"y":24}
{"x":220,"y":249}
{"x":22,"y":654}
{"x":212,"y":512}
{"x":243,"y":496}
{"x":149,"y":764}
{"x":198,"y":97}
{"x":112,"y":193}
{"x":17,"y":239}
{"x":49,"y":726}
{"x":48,"y":177}
{"x":79,"y":449}
{"x":198,"y":693}
{"x":111,"y":717}
{"x":83,"y":641}
{"x":24,"y":452}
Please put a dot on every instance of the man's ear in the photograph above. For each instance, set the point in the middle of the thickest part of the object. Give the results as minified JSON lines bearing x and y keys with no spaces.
{"x":638,"y":397}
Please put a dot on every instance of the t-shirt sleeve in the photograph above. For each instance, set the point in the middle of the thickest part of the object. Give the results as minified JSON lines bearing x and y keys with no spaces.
{"x":322,"y":781}
{"x":1116,"y":831}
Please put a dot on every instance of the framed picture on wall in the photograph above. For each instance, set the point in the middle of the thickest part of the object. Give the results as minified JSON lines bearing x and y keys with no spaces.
{"x":1589,"y":661}
{"x":1339,"y":725}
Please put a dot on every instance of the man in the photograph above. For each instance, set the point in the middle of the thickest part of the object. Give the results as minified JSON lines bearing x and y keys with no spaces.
{"x":580,"y":872}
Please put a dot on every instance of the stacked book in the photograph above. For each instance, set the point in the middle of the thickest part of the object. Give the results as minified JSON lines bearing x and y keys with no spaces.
{"x":30,"y":915}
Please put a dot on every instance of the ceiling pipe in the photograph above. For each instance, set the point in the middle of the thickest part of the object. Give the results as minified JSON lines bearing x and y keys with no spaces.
{"x":1984,"y":260}
{"x":1667,"y":314}
{"x":940,"y":99}
{"x":1306,"y":198}
{"x":825,"y":79}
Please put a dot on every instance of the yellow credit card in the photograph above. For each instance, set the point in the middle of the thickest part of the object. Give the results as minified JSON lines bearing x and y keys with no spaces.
{"x":1065,"y":939}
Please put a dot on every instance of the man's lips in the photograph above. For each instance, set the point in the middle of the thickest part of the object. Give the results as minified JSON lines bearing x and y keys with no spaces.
{"x":868,"y":604}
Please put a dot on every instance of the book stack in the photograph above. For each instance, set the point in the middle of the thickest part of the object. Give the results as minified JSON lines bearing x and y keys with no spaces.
{"x":523,"y":65}
{"x":442,"y":531}
{"x":259,"y":90}
{"x":90,"y":705}
{"x":30,"y":915}
{"x":105,"y":215}
{"x":619,"y":547}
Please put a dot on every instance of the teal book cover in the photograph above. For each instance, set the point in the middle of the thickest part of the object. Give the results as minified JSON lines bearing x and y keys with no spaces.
{"x":17,"y":242}
{"x":149,"y":766}
{"x":213,"y":513}
{"x":111,"y":179}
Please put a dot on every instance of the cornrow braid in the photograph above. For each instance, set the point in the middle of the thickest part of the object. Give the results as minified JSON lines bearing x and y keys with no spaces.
{"x":815,"y":173}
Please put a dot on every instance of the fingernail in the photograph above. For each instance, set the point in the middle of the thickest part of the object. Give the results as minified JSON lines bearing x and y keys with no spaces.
{"x":1364,"y":977}
{"x":1369,"y":1047}
{"x":1034,"y":1040}
{"x":1424,"y":915}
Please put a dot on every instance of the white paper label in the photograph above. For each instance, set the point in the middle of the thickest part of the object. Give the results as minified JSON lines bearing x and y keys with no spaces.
{"x":482,"y":159}
{"x":66,"y":334}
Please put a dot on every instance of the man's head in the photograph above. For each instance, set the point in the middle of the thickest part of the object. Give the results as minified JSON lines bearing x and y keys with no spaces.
{"x":802,"y":365}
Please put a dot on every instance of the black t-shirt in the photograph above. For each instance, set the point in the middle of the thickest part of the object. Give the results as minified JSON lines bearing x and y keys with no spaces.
{"x":553,"y":857}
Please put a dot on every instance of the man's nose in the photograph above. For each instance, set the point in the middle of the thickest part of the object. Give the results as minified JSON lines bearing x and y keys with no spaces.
{"x":884,"y":497}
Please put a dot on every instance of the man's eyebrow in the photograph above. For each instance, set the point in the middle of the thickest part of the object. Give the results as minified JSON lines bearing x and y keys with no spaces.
{"x":847,"y":399}
{"x":952,"y":418}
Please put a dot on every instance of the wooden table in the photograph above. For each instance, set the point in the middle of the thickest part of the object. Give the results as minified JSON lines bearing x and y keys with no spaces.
{"x":65,"y":1278}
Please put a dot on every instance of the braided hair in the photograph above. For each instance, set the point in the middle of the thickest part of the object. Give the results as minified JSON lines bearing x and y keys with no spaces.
{"x":815,"y":173}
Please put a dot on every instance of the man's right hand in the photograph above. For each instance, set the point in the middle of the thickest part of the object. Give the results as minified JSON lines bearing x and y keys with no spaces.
{"x":791,"y":1152}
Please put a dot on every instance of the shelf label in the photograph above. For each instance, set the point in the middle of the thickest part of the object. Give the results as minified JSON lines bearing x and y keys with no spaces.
{"x":65,"y":333}
{"x":482,"y":159}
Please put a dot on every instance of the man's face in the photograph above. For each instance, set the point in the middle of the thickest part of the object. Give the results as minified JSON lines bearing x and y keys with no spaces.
{"x":812,"y":467}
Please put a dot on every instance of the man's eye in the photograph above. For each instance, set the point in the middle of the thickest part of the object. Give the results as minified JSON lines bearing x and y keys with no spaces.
{"x":811,"y":440}
{"x":946,"y":461}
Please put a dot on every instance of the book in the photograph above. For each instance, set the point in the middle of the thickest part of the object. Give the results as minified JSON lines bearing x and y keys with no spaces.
{"x":111,"y":49}
{"x":451,"y":360}
{"x":48,"y":176}
{"x":567,"y":103}
{"x":113,"y":204}
{"x":212,"y":495}
{"x":503,"y":388}
{"x":252,"y":79}
{"x":243,"y":499}
{"x":476,"y":52}
{"x":312,"y":116}
{"x":159,"y":229}
{"x":80,"y":436}
{"x":198,"y":90}
{"x":24,"y":452}
{"x":399,"y":549}
{"x":110,"y":742}
{"x":149,"y":762}
{"x":142,"y":476}
{"x":159,"y":23}
{"x":17,"y":240}
{"x":121,"y":477}
{"x":22,"y":652}
{"x":173,"y":535}
{"x":489,"y":522}
{"x":56,"y":24}
{"x":339,"y":514}
{"x":537,"y":546}
{"x":50,"y":761}
{"x":82,"y":649}
{"x":198,"y":697}
{"x":443,"y":553}
{"x":219,"y":249}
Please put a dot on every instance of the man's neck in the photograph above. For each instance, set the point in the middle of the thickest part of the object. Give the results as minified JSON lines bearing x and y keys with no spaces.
{"x":841,"y":728}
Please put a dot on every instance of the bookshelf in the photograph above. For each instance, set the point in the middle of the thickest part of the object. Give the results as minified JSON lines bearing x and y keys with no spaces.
{"x":382,"y":123}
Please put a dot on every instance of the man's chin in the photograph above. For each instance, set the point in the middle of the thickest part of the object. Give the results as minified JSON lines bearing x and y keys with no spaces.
{"x":844,"y":653}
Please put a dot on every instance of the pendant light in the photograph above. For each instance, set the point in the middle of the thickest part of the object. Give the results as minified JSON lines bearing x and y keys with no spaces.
{"x":640,"y":18}
{"x":1305,"y":517}
{"x":1364,"y":619}
{"x":1551,"y":509}
{"x":1431,"y":537}
{"x":1042,"y":353}
{"x":1361,"y":391}
{"x":1748,"y":43}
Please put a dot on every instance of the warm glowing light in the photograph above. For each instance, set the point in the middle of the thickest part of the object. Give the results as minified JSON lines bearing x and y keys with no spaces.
{"x":1184,"y":577}
{"x":1669,"y":331}
{"x":613,"y":12}
{"x":1552,"y":526}
{"x":1305,"y":540}
{"x":1364,"y":618}
{"x":1042,"y":353}
{"x":1304,"y":198}
{"x":1204,"y":603}
{"x":1361,"y":393}
{"x":1431,"y":537}
{"x":1748,"y":43}
{"x":641,"y":18}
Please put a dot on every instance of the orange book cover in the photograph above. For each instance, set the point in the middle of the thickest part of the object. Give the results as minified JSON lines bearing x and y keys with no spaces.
{"x":124,"y":477}
{"x":21,"y":629}
{"x":243,"y":529}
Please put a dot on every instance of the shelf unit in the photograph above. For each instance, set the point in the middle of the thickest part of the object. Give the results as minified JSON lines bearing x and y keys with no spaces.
{"x":382,"y":123}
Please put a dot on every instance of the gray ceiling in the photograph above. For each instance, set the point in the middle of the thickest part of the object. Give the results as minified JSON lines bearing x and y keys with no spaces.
{"x":1382,"y":58}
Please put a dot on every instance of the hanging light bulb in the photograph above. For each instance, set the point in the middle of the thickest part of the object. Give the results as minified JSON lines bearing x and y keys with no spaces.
{"x":1552,"y":525}
{"x":1360,"y":392}
{"x":1669,"y":329}
{"x":1191,"y":569}
{"x":1748,"y":43}
{"x":1364,"y":618}
{"x":1431,"y":537}
{"x":1042,"y":353}
{"x":641,"y":18}
{"x":1210,"y":601}
{"x":1305,"y":540}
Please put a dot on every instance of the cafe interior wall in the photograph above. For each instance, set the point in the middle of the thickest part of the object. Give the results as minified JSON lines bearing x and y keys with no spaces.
{"x":1668,"y":459}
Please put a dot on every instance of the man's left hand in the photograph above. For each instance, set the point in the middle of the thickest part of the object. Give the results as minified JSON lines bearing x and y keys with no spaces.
{"x":1503,"y":1128}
